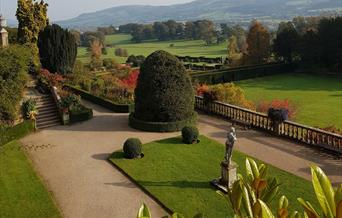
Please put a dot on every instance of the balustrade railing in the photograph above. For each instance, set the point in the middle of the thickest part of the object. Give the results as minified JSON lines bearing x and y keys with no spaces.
{"x":294,"y":131}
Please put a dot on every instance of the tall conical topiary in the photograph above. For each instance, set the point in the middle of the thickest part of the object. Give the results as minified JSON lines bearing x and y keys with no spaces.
{"x":57,"y":49}
{"x":164,"y":92}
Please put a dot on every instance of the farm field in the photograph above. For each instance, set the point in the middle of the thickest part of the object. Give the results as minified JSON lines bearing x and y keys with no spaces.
{"x":179,"y":174}
{"x":318,"y":99}
{"x":22,"y":192}
{"x":194,"y":48}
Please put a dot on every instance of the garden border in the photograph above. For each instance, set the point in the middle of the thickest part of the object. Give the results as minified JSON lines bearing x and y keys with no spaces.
{"x":161,"y":126}
{"x":24,"y":128}
{"x":118,"y":108}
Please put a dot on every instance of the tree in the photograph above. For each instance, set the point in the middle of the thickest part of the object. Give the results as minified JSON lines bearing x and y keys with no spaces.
{"x":77,"y":36}
{"x":14,"y":63}
{"x":164,"y":92}
{"x":57,"y":49}
{"x":161,"y":31}
{"x":206,"y":31}
{"x":286,"y":43}
{"x":95,"y":53}
{"x":308,"y":48}
{"x":258,"y":41}
{"x":32,"y":18}
{"x":233,"y":51}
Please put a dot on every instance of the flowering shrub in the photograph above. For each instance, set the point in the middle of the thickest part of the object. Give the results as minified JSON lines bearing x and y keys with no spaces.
{"x":264,"y":106}
{"x":131,"y":81}
{"x":50,"y":79}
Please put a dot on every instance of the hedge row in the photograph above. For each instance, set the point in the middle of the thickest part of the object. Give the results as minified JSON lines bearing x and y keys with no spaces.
{"x":200,"y":59}
{"x":242,"y":73}
{"x":203,"y":67}
{"x":16,"y":132}
{"x":118,"y":108}
{"x":161,"y":126}
{"x":79,"y":116}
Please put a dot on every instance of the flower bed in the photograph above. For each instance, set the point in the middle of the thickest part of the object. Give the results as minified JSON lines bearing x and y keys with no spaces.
{"x":80,"y":113}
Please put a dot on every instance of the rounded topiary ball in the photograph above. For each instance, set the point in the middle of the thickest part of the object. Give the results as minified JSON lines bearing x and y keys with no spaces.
{"x":164,"y":92}
{"x":190,"y":134}
{"x":132,"y":148}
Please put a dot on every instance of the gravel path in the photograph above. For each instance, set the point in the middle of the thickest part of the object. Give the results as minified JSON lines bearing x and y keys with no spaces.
{"x":72,"y":162}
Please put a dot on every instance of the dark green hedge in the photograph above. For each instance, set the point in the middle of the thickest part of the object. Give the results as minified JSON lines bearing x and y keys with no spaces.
{"x":118,"y":108}
{"x":79,"y":116}
{"x":242,"y":73}
{"x":161,"y":126}
{"x":16,"y":132}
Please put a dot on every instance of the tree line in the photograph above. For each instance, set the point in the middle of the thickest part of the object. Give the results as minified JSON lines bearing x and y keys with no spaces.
{"x":172,"y":30}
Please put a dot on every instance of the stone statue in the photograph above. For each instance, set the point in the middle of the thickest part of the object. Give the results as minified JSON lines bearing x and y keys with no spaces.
{"x":231,"y":138}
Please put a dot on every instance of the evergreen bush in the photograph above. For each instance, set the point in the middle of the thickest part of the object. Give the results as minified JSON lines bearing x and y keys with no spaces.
{"x":57,"y":49}
{"x":190,"y":134}
{"x":164,"y":92}
{"x":132,"y":148}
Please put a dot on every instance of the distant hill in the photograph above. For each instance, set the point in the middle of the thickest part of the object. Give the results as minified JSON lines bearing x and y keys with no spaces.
{"x":217,"y":10}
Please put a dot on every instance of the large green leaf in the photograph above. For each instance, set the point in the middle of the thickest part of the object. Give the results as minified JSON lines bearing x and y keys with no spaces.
{"x":249,"y":170}
{"x":324,"y":191}
{"x":308,"y":208}
{"x":246,"y":201}
{"x":144,"y":212}
{"x":177,"y":215}
{"x":265,"y":210}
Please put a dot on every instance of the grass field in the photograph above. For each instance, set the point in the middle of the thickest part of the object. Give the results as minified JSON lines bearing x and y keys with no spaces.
{"x":179,"y":175}
{"x":22,"y":193}
{"x":317,"y":98}
{"x":194,"y":48}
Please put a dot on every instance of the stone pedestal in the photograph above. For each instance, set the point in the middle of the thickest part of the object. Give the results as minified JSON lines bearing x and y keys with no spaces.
{"x":228,"y":176}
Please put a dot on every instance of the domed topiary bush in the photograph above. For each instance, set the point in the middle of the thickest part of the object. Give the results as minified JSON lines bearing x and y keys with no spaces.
{"x":164,"y":94}
{"x":190,"y":134}
{"x":132,"y":148}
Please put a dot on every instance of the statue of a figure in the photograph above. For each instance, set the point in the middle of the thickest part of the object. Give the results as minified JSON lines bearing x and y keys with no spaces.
{"x":231,"y":138}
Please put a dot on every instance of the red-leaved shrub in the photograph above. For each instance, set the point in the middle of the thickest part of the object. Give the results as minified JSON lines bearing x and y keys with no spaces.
{"x":51,"y":79}
{"x":201,"y":89}
{"x":264,"y":106}
{"x":131,"y":81}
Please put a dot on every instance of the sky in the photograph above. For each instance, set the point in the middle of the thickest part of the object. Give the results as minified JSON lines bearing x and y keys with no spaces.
{"x":65,"y":9}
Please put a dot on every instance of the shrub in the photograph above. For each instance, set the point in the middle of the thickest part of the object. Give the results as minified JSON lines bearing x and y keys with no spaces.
{"x":80,"y":113}
{"x":278,"y":115}
{"x":264,"y":106}
{"x":190,"y":134}
{"x":109,"y":63}
{"x":164,"y":92}
{"x":70,"y":100}
{"x":229,"y":93}
{"x":121,"y":52}
{"x":132,"y":148}
{"x":29,"y":109}
{"x":14,"y":63}
{"x":131,"y":81}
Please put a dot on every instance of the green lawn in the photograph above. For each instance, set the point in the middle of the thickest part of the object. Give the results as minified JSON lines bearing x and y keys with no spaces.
{"x":194,"y":48}
{"x":318,"y":98}
{"x":179,"y":175}
{"x":22,"y":193}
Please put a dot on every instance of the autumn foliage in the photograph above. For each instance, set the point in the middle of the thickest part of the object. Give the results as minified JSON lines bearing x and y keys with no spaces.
{"x":228,"y":93}
{"x":131,"y":81}
{"x":264,"y":106}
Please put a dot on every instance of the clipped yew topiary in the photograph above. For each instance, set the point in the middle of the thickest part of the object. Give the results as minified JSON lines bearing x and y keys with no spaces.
{"x":164,"y":93}
{"x":132,"y":148}
{"x":190,"y":134}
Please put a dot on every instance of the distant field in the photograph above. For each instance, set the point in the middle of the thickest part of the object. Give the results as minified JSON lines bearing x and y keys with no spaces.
{"x":194,"y":48}
{"x":318,"y":99}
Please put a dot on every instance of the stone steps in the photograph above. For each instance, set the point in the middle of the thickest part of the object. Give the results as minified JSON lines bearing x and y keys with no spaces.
{"x":47,"y":112}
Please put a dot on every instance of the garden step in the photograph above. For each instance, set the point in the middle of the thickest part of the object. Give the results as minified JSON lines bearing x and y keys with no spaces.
{"x":44,"y":124}
{"x":46,"y":105}
{"x":44,"y":112}
{"x":46,"y":115}
{"x":46,"y":108}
